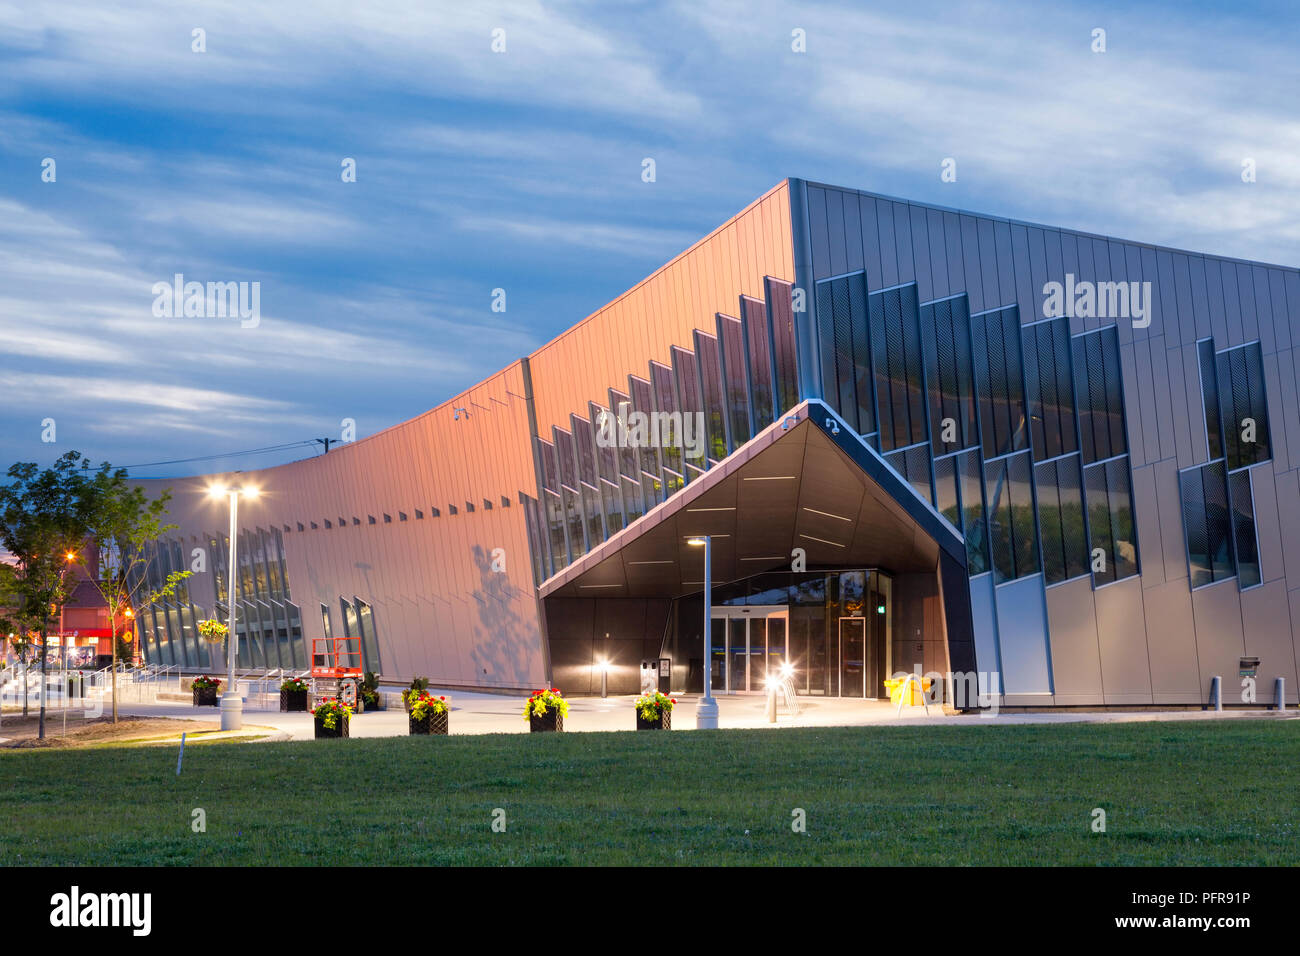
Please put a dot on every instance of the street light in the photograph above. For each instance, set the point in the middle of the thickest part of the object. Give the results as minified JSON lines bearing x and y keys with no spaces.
{"x":232,"y":705}
{"x":706,"y":714}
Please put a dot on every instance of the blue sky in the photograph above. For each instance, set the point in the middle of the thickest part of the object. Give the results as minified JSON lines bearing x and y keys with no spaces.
{"x":522,"y":170}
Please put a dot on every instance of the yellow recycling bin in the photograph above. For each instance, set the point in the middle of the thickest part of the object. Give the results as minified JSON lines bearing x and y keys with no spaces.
{"x":917,"y":689}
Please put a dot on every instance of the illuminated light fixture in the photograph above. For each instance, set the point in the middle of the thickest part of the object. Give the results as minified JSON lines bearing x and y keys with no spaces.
{"x":827,"y":514}
{"x":712,"y":509}
{"x":787,"y":669}
{"x":770,"y":557}
{"x":696,"y":542}
{"x":71,"y":556}
{"x":221,"y":491}
{"x":880,"y":609}
{"x":770,"y":478}
{"x":821,"y":540}
{"x":592,"y":587}
{"x":652,"y":562}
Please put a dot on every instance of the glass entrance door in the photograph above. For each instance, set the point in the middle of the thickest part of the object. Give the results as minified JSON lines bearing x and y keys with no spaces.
{"x":748,"y":642}
{"x":853,"y":657}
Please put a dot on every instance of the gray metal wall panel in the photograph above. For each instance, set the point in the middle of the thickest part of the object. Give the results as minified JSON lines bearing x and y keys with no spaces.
{"x":852,"y":232}
{"x":956,"y":264}
{"x":1219,"y":639}
{"x":837,"y":242}
{"x":903,"y":242}
{"x":1007,"y":271}
{"x":970,"y":250}
{"x":1030,"y":299}
{"x":817,"y":233}
{"x":1171,"y":643}
{"x":1290,"y":401}
{"x":1023,"y":636}
{"x":1201,"y":310}
{"x":939,"y":255}
{"x":1076,"y":656}
{"x":1268,"y":530}
{"x":1266,"y":616}
{"x":1246,"y":303}
{"x":870,"y":243}
{"x":1147,"y":513}
{"x":1121,"y":634}
{"x":1287,"y":488}
{"x":1184,"y":425}
{"x":921,"y":254}
{"x":1173,"y":417}
{"x":1274,"y":391}
{"x":1143,"y":422}
{"x":1191,"y":408}
{"x":888,"y":243}
{"x":1277,"y":301}
{"x":985,"y":619}
{"x":1263,"y":309}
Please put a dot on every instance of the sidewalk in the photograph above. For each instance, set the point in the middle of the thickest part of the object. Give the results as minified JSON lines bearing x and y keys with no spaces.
{"x":477,"y":713}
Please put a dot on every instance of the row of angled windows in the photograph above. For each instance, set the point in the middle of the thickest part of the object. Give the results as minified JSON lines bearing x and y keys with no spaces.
{"x":599,"y":475}
{"x":1217,"y":498}
{"x":1015,"y":433}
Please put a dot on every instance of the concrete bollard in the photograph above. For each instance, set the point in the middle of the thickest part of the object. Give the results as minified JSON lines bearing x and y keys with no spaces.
{"x":1279,"y":693}
{"x":1216,"y":693}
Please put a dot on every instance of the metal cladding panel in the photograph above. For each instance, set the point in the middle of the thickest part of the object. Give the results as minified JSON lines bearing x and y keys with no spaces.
{"x":1121,"y":631}
{"x":1266,"y":620}
{"x":1171,"y":643}
{"x":664,"y":309}
{"x":984,"y":617}
{"x":1220,"y":642}
{"x":1075,"y":653}
{"x":1022,"y":636}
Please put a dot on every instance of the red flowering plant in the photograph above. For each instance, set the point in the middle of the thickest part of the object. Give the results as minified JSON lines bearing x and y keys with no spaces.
{"x":294,"y":684}
{"x":426,"y":705}
{"x":652,"y":706}
{"x":329,"y":710}
{"x":544,"y":700}
{"x":204,"y":682}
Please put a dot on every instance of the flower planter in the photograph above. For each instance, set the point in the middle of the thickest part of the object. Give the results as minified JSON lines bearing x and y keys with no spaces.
{"x":433,"y":724}
{"x":663,"y":722}
{"x":340,"y":728}
{"x":205,"y":697}
{"x":549,"y":722}
{"x":293,"y":701}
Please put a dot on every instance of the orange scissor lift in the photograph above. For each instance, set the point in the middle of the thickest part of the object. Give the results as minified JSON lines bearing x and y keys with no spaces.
{"x":336,"y":669}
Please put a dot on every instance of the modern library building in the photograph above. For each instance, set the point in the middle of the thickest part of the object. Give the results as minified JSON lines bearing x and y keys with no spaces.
{"x":915,"y":438}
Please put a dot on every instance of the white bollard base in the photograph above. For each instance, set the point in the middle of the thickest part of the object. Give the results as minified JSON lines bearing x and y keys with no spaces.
{"x":706,"y":714}
{"x":232,"y":711}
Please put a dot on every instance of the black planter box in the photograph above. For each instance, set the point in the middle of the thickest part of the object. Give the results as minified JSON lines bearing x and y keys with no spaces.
{"x":549,"y":722}
{"x":340,"y":728}
{"x":293,"y":701}
{"x":665,"y":721}
{"x":433,"y":724}
{"x":205,"y":697}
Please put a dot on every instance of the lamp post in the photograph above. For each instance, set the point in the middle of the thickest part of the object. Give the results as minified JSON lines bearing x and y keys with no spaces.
{"x":706,"y":714}
{"x":232,"y":705}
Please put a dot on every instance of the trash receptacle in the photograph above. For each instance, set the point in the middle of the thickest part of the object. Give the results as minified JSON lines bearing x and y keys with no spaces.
{"x":649,"y":676}
{"x":916,"y":690}
{"x":665,"y":675}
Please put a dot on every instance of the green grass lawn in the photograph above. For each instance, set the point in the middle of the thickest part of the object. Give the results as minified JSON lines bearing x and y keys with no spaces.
{"x":1220,"y":792}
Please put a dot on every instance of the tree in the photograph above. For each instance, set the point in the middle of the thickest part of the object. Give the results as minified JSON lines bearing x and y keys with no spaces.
{"x":44,"y":521}
{"x":16,"y":625}
{"x":124,"y":523}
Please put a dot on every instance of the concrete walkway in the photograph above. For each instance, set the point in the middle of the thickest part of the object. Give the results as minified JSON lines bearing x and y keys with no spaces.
{"x":477,"y":713}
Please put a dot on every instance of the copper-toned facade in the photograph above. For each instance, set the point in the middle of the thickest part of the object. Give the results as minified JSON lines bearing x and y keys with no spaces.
{"x":906,"y":460}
